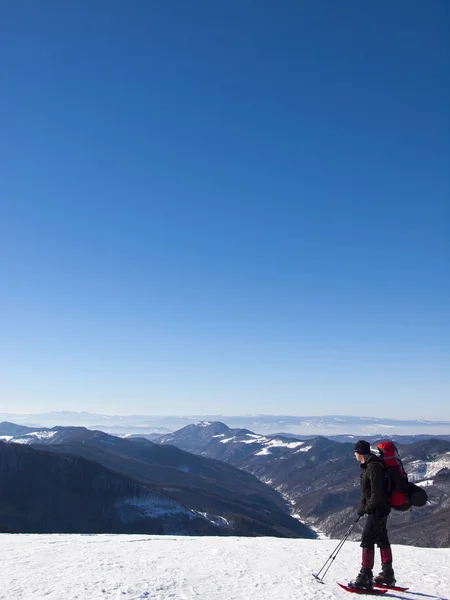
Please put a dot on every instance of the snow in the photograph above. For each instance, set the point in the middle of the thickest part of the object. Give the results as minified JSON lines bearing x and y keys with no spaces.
{"x":216,"y":519}
{"x":303,"y":449}
{"x":22,"y":440}
{"x":274,"y":443}
{"x":32,"y":437}
{"x":279,"y":443}
{"x":42,"y":434}
{"x":419,"y":469}
{"x":131,"y":567}
{"x":266,"y":442}
{"x":263,"y":452}
{"x":254,"y":439}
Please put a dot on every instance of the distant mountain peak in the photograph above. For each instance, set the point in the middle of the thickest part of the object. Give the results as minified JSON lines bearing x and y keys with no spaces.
{"x":209,"y":426}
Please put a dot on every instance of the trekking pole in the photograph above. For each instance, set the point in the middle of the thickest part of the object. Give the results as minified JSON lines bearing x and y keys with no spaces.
{"x":335,"y":552}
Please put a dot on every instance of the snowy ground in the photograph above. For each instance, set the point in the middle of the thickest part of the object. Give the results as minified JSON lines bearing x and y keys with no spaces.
{"x":128,"y":567}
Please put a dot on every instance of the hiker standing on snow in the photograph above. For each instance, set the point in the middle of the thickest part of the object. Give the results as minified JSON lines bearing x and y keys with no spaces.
{"x":375,"y":504}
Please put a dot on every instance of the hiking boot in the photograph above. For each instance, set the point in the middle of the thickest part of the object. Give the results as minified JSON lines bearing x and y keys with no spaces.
{"x":386,"y":577}
{"x":364,"y":580}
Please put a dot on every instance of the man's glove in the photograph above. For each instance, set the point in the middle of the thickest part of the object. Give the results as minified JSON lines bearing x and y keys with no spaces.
{"x":361,"y":511}
{"x":369,"y":509}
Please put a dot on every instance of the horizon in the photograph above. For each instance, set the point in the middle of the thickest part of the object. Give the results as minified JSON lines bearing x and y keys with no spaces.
{"x":231,"y":208}
{"x":194,"y":415}
{"x":324,"y":425}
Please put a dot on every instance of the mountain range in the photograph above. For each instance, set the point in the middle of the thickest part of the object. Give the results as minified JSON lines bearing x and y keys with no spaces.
{"x":331,"y":425}
{"x":320,"y":477}
{"x":72,"y":479}
{"x":249,"y":483}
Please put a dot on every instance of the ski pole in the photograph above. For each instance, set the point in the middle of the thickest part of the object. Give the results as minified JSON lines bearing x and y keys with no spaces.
{"x":335,"y":552}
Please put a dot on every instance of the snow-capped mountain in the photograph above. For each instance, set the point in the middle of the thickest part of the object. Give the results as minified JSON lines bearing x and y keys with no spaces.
{"x":134,"y":567}
{"x":216,"y":440}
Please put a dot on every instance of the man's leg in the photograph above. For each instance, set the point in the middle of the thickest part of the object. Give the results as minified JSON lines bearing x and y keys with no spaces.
{"x":369,"y":534}
{"x":368,"y":543}
{"x":386,"y":576}
{"x":364,"y":579}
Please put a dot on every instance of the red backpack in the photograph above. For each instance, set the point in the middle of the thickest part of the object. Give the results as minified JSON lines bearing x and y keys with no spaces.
{"x":398,"y":479}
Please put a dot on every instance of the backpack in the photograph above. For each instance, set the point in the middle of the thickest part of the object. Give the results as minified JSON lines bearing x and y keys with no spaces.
{"x":402,"y":493}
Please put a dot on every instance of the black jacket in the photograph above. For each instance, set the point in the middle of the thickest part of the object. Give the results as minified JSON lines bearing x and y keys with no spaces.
{"x":374,"y":487}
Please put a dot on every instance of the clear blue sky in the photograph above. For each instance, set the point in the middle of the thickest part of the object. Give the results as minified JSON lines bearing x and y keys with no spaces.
{"x":225,"y":207}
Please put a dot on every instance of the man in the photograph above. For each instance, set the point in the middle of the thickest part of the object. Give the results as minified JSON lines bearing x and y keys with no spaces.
{"x":375,"y":504}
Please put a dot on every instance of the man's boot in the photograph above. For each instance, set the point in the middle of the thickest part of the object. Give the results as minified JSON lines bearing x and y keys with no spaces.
{"x":364,"y":579}
{"x":386,"y":577}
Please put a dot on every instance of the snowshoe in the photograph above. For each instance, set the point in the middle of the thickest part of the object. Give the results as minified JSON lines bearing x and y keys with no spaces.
{"x":353,"y":590}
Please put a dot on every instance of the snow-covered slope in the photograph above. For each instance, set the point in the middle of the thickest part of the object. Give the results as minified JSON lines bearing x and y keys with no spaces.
{"x":420,"y":470}
{"x":34,"y":437}
{"x":94,"y":567}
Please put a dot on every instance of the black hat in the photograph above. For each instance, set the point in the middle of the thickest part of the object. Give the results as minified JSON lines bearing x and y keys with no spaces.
{"x":362,"y":447}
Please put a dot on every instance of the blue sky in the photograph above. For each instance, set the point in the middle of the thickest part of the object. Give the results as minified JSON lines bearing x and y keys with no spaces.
{"x":225,"y":207}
